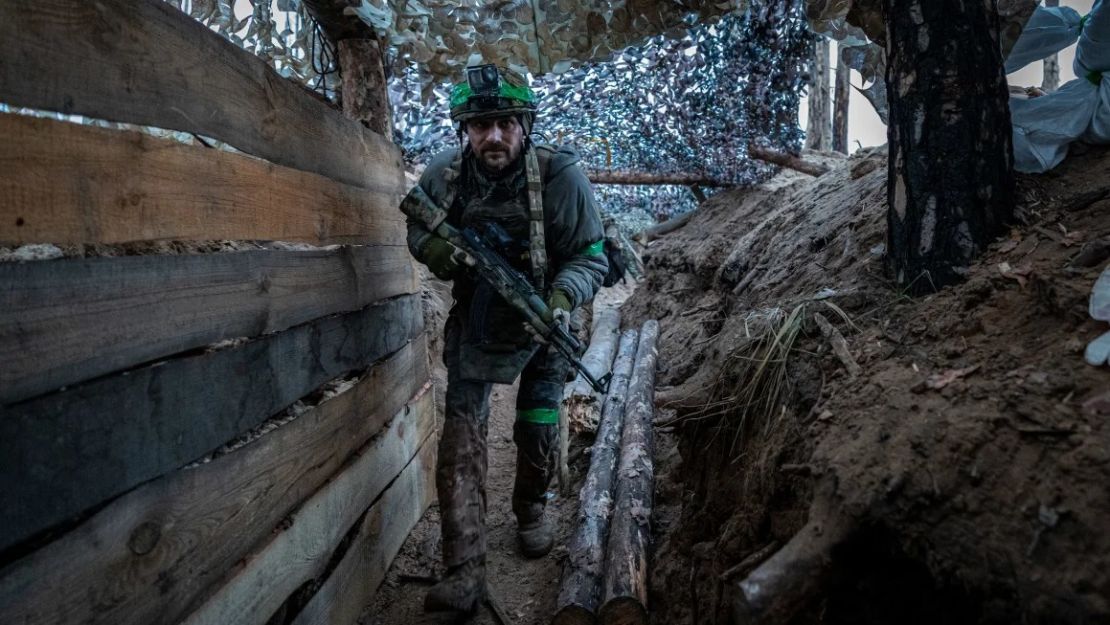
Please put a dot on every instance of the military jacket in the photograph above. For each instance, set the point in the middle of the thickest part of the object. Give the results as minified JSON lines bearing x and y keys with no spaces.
{"x":494,"y":345}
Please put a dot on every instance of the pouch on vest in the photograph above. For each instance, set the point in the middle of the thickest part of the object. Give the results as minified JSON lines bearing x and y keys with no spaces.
{"x":495,"y":346}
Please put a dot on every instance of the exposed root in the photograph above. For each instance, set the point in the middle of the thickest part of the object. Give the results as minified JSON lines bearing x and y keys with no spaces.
{"x":793,"y":577}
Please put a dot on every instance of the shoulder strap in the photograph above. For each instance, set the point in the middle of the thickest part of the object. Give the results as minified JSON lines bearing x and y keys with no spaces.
{"x":451,"y":177}
{"x":536,"y":249}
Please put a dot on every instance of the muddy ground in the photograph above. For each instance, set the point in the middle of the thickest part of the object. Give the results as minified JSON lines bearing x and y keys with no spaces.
{"x":968,"y":458}
{"x":526,"y":589}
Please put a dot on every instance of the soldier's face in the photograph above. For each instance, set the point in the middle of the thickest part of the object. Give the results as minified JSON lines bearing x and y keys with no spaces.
{"x":496,"y":141}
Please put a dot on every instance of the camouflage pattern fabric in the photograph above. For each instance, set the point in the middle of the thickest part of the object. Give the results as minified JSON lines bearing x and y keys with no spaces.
{"x":463,"y":452}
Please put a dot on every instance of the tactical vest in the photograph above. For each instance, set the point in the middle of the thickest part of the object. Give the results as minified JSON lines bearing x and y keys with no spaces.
{"x":536,"y":167}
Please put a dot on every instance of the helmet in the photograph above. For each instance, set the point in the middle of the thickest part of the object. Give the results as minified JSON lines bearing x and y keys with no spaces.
{"x":491,"y":90}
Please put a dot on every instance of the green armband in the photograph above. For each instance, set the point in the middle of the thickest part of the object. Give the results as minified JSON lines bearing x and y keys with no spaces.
{"x":594,"y":249}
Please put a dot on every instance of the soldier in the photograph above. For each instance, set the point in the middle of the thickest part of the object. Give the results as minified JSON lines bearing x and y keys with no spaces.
{"x":545,"y":203}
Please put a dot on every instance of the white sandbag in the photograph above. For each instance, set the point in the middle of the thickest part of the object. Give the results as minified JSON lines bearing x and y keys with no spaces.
{"x":1044,"y":126}
{"x":1048,"y":31}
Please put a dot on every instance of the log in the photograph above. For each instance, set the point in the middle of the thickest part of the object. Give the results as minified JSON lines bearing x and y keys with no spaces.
{"x":580,"y":589}
{"x":66,"y":321}
{"x":580,"y":401}
{"x":792,"y":578}
{"x":301,"y":549}
{"x":789,"y":161}
{"x":65,"y":452}
{"x":68,"y":184}
{"x":155,"y":552}
{"x":145,"y":62}
{"x":648,"y":178}
{"x":626,"y":558}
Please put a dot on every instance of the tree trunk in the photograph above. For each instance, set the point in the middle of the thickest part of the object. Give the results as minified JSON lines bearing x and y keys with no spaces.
{"x":580,"y":590}
{"x":1051,"y":80}
{"x":819,"y":128}
{"x":840,"y":113}
{"x":364,"y":88}
{"x":951,"y":181}
{"x":626,"y":564}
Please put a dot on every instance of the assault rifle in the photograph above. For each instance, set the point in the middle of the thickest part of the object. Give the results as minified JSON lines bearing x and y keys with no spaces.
{"x":504,"y":278}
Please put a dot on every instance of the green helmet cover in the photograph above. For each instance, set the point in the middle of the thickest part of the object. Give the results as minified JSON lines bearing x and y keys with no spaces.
{"x":510,"y":98}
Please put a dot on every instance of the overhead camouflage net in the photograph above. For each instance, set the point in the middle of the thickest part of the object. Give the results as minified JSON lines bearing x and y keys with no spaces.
{"x":686,"y":105}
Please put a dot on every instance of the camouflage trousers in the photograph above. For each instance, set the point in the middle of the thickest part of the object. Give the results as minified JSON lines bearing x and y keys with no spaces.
{"x":462,"y":465}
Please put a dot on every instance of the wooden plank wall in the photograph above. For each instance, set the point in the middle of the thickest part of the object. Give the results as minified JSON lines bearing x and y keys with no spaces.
{"x":194,"y":437}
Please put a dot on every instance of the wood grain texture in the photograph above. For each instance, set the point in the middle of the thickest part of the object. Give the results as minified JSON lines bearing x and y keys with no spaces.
{"x":354,"y":582}
{"x":67,"y":183}
{"x":63,"y":453}
{"x":301,"y":551}
{"x":145,"y":62}
{"x":156,"y":552}
{"x":580,"y":588}
{"x":625,"y":586}
{"x":67,"y":321}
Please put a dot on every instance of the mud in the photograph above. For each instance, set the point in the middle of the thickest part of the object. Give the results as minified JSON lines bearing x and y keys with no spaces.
{"x":970,"y":454}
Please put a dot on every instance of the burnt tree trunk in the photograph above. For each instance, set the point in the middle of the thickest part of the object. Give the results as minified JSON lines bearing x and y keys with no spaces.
{"x":819,"y":127}
{"x":626,"y":557}
{"x":580,"y":590}
{"x":951,"y":181}
{"x":1051,"y":80}
{"x":842,"y":92}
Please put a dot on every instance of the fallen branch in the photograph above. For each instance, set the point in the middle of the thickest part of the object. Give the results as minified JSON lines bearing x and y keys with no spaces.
{"x":646,"y":178}
{"x":580,"y":590}
{"x":654,"y":232}
{"x":839,"y":345}
{"x":782,"y":159}
{"x":626,"y":565}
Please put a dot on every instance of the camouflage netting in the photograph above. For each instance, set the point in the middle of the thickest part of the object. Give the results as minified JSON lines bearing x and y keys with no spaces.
{"x":279,"y":31}
{"x":657,"y":86}
{"x":686,"y":105}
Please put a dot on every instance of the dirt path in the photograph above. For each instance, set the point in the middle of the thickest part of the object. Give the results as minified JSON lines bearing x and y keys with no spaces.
{"x":525,"y":588}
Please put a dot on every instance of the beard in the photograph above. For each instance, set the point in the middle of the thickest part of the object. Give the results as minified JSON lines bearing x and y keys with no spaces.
{"x":497,"y":158}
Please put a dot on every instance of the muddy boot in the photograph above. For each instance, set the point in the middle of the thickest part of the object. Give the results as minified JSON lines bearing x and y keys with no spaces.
{"x":460,"y":590}
{"x":536,"y":537}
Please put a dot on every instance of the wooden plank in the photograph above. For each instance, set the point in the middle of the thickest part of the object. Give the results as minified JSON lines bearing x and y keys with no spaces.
{"x":63,"y":453}
{"x":301,"y":551}
{"x":354,"y":582}
{"x":145,"y":62}
{"x":67,"y":321}
{"x":67,"y":183}
{"x":154,"y":553}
